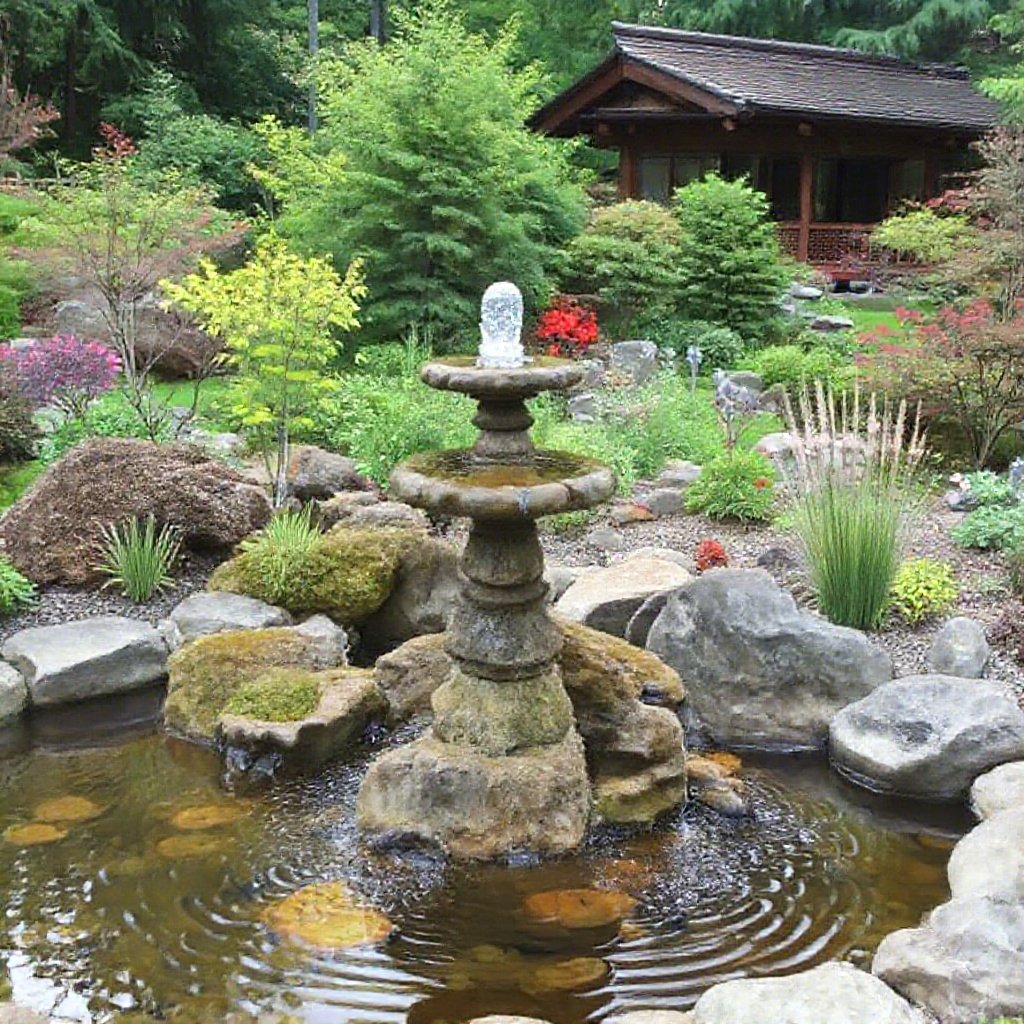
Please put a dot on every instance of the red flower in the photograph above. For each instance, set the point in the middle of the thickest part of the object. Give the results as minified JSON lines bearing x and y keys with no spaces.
{"x":569,"y":327}
{"x":710,"y":555}
{"x":762,"y":483}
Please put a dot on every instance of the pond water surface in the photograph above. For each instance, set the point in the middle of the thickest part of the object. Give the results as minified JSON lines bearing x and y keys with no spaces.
{"x":127,"y":915}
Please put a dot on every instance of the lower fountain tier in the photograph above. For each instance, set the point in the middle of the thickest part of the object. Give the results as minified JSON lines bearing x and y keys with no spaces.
{"x":476,"y":807}
{"x":540,"y":483}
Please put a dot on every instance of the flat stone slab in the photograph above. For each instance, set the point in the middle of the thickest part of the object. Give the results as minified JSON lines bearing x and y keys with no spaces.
{"x":13,"y":693}
{"x":87,"y":658}
{"x":1001,"y":789}
{"x":833,"y":993}
{"x":218,"y":612}
{"x":606,"y":599}
{"x":927,"y":736}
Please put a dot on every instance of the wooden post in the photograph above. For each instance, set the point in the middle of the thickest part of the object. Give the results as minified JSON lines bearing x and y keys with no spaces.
{"x":628,"y":175}
{"x":931,"y":175}
{"x":803,"y":247}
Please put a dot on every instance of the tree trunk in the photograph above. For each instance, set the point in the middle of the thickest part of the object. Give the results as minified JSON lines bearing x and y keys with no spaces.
{"x":314,"y":47}
{"x":378,"y":20}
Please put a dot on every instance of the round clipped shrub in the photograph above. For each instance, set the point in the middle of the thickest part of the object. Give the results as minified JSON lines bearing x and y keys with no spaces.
{"x":923,"y":589}
{"x":281,"y":695}
{"x":721,"y":347}
{"x":736,"y":485}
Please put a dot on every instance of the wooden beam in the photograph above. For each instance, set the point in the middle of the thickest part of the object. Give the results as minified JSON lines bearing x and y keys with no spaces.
{"x":803,"y":247}
{"x":628,"y":173}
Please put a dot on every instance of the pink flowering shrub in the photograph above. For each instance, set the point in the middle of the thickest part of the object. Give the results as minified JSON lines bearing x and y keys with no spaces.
{"x":64,"y":372}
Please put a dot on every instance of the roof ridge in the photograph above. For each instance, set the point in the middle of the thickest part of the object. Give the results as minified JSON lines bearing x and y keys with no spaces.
{"x":844,"y":54}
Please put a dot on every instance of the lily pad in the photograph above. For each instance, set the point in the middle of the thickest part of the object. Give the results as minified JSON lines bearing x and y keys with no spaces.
{"x":574,"y":975}
{"x":196,"y":819}
{"x":186,"y":847}
{"x":35,"y":834}
{"x":67,"y":809}
{"x":578,"y":908}
{"x":326,"y":917}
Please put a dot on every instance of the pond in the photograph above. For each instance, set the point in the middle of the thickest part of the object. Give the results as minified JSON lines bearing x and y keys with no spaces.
{"x":138,"y":906}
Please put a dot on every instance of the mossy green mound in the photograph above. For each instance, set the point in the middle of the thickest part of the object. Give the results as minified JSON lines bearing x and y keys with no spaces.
{"x":347,"y":574}
{"x":207,"y":674}
{"x":281,"y":695}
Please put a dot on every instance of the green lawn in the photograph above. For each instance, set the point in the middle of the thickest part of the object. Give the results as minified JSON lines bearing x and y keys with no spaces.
{"x":15,"y":480}
{"x":211,"y":394}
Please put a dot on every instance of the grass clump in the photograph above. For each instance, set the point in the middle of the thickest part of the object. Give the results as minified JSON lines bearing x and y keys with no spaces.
{"x":139,"y":558}
{"x":854,"y":483}
{"x":345,"y":574}
{"x":16,"y":590}
{"x":281,"y":695}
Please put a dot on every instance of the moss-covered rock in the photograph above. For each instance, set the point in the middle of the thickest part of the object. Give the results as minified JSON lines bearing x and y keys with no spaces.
{"x":348,"y":574}
{"x":206,"y":674}
{"x":280,"y":695}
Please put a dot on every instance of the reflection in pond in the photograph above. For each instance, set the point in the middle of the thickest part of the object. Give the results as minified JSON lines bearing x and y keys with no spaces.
{"x":162,"y":895}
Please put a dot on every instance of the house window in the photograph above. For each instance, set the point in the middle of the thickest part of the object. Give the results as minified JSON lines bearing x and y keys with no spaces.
{"x":660,"y":176}
{"x":908,"y":180}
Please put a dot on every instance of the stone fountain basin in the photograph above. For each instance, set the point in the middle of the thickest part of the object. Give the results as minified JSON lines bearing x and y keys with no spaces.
{"x":461,"y":483}
{"x":461,"y":374}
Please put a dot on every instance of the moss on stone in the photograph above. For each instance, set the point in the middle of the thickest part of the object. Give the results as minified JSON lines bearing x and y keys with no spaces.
{"x":348,"y":574}
{"x":206,"y":674}
{"x":281,"y":695}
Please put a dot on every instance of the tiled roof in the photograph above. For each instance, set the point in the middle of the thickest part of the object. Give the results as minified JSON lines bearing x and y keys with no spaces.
{"x":816,"y":81}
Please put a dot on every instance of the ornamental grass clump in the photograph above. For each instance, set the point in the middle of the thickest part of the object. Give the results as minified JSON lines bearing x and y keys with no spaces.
{"x":853,"y":479}
{"x":274,"y":552}
{"x":139,"y":558}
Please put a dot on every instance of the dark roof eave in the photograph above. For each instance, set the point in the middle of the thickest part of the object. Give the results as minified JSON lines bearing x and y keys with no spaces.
{"x":892,"y":121}
{"x":539,"y":116}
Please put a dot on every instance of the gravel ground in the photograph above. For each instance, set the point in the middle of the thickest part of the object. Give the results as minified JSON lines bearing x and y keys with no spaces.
{"x":984,"y":596}
{"x":59,"y":604}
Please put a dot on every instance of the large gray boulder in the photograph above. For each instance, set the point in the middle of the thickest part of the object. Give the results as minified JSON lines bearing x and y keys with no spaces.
{"x":959,"y":649}
{"x":1001,"y":789}
{"x":314,"y":473}
{"x":760,"y":672}
{"x":834,"y":993}
{"x":87,"y":658}
{"x":964,"y":964}
{"x":927,"y":736}
{"x":218,"y":611}
{"x":606,"y":599}
{"x":989,"y":860}
{"x":639,"y":359}
{"x":13,"y":693}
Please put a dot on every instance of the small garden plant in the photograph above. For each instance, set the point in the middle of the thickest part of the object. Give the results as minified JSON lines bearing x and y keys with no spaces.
{"x":736,"y":485}
{"x":711,"y":554}
{"x":924,"y":589}
{"x":16,"y":591}
{"x":139,"y":557}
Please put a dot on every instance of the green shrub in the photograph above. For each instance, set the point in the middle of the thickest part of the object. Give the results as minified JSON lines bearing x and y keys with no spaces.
{"x":17,"y":430}
{"x":990,"y":489}
{"x":923,"y":235}
{"x":16,"y":591}
{"x":791,"y":367}
{"x":10,"y":313}
{"x":346,"y":574}
{"x":991,"y":526}
{"x":281,"y":695}
{"x":735,"y":485}
{"x":627,"y":257}
{"x":924,"y":588}
{"x":729,"y":261}
{"x":139,"y":558}
{"x":721,"y":347}
{"x":274,"y":552}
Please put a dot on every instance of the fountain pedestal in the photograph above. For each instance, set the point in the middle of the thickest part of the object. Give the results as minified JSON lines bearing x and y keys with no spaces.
{"x":502,"y":768}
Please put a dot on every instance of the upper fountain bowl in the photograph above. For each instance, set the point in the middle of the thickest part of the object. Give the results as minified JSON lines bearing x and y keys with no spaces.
{"x":464,"y":375}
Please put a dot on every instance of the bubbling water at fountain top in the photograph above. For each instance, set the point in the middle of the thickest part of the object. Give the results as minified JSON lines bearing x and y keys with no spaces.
{"x":501,"y":328}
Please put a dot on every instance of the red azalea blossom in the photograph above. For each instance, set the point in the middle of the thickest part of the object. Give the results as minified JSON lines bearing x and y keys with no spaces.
{"x":710,"y":555}
{"x":762,"y":483}
{"x":568,"y":328}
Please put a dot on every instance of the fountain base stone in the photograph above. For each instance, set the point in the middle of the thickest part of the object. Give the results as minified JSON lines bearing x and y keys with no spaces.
{"x":476,"y":807}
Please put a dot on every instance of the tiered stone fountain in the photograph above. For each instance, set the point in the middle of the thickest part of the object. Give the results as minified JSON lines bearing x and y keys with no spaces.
{"x":502,"y":768}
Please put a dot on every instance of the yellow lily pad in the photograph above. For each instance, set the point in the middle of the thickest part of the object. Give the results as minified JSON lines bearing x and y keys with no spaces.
{"x":34,"y":835}
{"x":67,"y":809}
{"x":326,"y":917}
{"x":578,"y":908}
{"x":196,"y":819}
{"x":186,"y":847}
{"x":582,"y":972}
